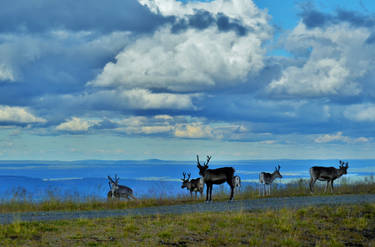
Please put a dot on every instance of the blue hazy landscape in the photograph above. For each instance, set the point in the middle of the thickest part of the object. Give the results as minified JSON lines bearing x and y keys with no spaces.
{"x":38,"y":180}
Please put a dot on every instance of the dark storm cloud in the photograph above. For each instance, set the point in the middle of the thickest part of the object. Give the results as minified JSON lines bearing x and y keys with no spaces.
{"x":108,"y":16}
{"x":203,"y":19}
{"x":313,"y":18}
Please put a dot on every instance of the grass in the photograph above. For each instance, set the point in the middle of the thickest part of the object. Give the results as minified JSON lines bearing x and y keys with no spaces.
{"x":21,"y":203}
{"x":351,"y":225}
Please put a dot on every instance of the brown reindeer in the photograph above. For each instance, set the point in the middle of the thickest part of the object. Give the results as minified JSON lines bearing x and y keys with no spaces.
{"x":328,"y":174}
{"x":216,"y":176}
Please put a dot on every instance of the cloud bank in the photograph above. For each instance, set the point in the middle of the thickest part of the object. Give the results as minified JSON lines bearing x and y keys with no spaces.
{"x":187,"y":70}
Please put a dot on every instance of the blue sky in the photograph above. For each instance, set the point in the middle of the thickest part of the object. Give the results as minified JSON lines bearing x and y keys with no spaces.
{"x":167,"y":79}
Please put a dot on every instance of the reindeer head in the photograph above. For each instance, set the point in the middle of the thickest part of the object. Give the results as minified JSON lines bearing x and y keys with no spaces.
{"x":277,"y":172}
{"x":202,"y":169}
{"x":343,"y":167}
{"x":185,"y":181}
{"x":113,"y":184}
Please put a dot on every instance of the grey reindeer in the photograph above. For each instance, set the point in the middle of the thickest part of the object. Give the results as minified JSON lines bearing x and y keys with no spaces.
{"x":266,"y":179}
{"x":193,"y":185}
{"x":118,"y":191}
{"x":215,"y":176}
{"x":328,"y":174}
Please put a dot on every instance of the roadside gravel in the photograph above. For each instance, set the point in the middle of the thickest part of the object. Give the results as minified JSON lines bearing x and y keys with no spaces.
{"x":255,"y":204}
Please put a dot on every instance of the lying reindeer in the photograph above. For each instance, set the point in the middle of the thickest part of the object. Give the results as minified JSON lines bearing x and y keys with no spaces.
{"x":194,"y":185}
{"x":119,"y":191}
{"x":328,"y":174}
{"x":216,"y":176}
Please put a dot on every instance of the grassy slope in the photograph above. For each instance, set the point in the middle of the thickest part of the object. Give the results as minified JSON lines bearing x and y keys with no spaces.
{"x":352,"y":225}
{"x":298,"y":188}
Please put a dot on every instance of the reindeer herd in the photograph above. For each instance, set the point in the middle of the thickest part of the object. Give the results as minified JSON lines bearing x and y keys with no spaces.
{"x":209,"y":177}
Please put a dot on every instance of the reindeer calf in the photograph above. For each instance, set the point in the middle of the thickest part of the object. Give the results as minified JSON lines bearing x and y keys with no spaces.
{"x":194,"y":185}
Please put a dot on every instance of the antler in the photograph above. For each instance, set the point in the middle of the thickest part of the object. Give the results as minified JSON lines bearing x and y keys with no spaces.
{"x":116,"y":179}
{"x":189,"y":174}
{"x":184,"y":174}
{"x":199,"y":164}
{"x":208,"y":160}
{"x":278,"y":167}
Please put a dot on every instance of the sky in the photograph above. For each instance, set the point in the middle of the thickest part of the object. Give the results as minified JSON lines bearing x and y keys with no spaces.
{"x":168,"y":79}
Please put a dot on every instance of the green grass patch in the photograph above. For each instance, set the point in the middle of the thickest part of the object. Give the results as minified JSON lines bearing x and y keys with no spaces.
{"x":351,"y":225}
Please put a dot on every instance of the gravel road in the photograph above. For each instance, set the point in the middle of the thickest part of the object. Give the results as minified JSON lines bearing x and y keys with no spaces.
{"x":255,"y":204}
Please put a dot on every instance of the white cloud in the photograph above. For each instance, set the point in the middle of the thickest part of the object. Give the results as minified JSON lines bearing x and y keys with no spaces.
{"x":76,"y":124}
{"x":244,"y":10}
{"x":361,"y":113}
{"x":339,"y":137}
{"x":337,"y":60}
{"x":6,"y":73}
{"x":180,"y":127}
{"x":194,"y":131}
{"x":18,"y":115}
{"x":145,"y":99}
{"x":191,"y":59}
{"x":164,"y":117}
{"x":137,"y":98}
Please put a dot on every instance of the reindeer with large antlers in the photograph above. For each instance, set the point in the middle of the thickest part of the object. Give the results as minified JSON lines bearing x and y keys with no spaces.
{"x":266,"y":178}
{"x":215,"y":176}
{"x":328,"y":174}
{"x":117,"y":190}
{"x":194,"y":185}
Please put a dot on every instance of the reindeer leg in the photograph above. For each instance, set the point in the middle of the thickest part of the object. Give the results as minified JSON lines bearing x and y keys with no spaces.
{"x":211,"y":185}
{"x":269,"y":189}
{"x":312,"y":182}
{"x":259,"y":188}
{"x":207,"y":191}
{"x":332,"y":186}
{"x":231,"y":193}
{"x":325,"y":190}
{"x":264,"y":190}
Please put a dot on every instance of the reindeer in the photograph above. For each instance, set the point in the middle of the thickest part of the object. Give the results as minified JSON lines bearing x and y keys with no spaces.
{"x":266,"y":178}
{"x":237,"y":182}
{"x":215,"y":176}
{"x":119,"y":191}
{"x":328,"y":174}
{"x":194,"y":185}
